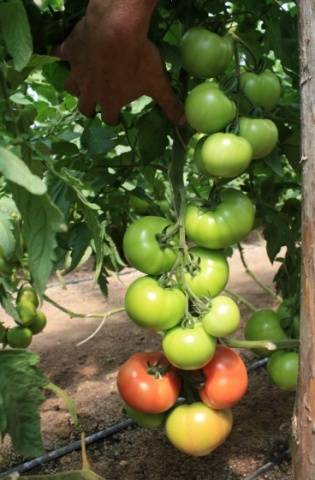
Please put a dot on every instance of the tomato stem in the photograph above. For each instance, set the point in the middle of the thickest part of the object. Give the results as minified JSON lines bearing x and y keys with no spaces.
{"x":241,"y":299}
{"x":254,"y":344}
{"x":253,"y":276}
{"x":82,"y":315}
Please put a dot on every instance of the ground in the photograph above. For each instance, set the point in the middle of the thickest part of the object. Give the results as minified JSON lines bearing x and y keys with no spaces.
{"x":88,"y":374}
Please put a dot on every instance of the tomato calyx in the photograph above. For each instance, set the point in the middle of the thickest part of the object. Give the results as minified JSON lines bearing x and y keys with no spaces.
{"x":157,"y":370}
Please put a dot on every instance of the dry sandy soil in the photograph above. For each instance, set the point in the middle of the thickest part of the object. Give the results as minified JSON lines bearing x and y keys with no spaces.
{"x":88,"y":373}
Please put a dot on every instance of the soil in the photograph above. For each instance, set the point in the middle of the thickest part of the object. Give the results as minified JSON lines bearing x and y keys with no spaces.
{"x":88,"y":373}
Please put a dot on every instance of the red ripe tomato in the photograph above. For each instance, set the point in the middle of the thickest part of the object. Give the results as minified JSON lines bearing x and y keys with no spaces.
{"x":226,"y":379}
{"x":148,"y":383}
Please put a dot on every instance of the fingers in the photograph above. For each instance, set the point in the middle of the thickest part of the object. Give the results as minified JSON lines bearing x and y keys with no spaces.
{"x":71,"y":85}
{"x":87,"y":101}
{"x":110,"y":110}
{"x":161,"y":91}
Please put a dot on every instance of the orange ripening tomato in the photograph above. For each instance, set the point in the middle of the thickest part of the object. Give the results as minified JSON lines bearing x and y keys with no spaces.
{"x":148,"y":383}
{"x":197,"y":429}
{"x":226,"y":379}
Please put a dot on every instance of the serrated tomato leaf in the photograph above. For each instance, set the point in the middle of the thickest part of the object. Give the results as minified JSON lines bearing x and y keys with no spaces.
{"x":21,"y":384}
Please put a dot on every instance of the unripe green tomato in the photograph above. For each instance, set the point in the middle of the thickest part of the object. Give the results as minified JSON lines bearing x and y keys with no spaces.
{"x":229,"y":222}
{"x":212,"y":274}
{"x":197,"y":155}
{"x":226,"y":155}
{"x":29,"y":294}
{"x":143,"y":249}
{"x":19,"y":337}
{"x":205,"y":54}
{"x":139,"y":204}
{"x":261,"y":133}
{"x":223,"y":318}
{"x":264,"y":325}
{"x":38,"y":323}
{"x":151,"y":306}
{"x":283,"y":369}
{"x":146,"y":420}
{"x":27,"y":312}
{"x":262,"y":89}
{"x":189,"y":348}
{"x":208,"y":109}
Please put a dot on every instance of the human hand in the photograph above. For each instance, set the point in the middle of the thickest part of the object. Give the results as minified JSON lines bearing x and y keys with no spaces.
{"x":113,"y":62}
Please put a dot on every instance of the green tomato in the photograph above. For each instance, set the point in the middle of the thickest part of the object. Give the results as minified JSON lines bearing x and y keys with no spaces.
{"x":208,"y":109}
{"x":261,"y":133}
{"x":27,"y":312}
{"x":38,"y":323}
{"x":189,"y":348}
{"x":262,"y":89}
{"x":29,"y":294}
{"x":205,"y":54}
{"x":212,"y":274}
{"x":229,"y":222}
{"x":264,"y":325}
{"x":223,"y":317}
{"x":226,"y":155}
{"x":151,"y":306}
{"x":138,"y":204}
{"x":19,"y":337}
{"x":283,"y":369}
{"x":197,"y":158}
{"x":142,"y":248}
{"x":147,"y":420}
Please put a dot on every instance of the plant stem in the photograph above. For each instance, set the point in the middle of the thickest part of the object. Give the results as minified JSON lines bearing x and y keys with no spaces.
{"x":241,"y":299}
{"x":83,"y":315}
{"x":253,"y":344}
{"x":253,"y":276}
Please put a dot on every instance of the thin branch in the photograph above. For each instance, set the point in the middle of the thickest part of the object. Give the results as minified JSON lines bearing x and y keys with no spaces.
{"x":241,"y":299}
{"x":105,"y":317}
{"x":254,"y":277}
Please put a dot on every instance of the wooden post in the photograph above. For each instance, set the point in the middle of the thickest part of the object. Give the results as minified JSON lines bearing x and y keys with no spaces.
{"x":304,"y":416}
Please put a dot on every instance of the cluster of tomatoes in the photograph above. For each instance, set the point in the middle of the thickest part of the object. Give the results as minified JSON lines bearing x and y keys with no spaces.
{"x":191,"y":385}
{"x":30,"y":321}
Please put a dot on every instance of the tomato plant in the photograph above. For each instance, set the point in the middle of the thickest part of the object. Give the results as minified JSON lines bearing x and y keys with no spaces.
{"x":152,"y":306}
{"x":226,"y":379}
{"x":197,"y":429}
{"x":147,"y":383}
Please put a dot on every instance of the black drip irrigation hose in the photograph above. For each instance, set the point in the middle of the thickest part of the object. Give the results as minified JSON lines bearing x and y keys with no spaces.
{"x":108,"y":432}
{"x":71,"y":447}
{"x":267,"y":467}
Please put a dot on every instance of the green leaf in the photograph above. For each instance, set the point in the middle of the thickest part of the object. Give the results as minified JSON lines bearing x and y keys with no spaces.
{"x":97,"y":138}
{"x":20,"y":398}
{"x":68,"y":401}
{"x":152,"y":135}
{"x":41,"y":221}
{"x":16,"y":32}
{"x":16,"y":171}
